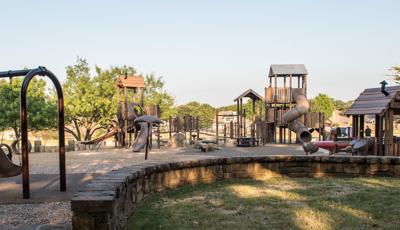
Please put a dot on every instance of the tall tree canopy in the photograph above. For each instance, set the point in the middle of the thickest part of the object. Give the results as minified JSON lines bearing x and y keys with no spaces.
{"x":156,"y":95}
{"x":323,"y":103}
{"x":342,"y":106}
{"x":91,"y":101}
{"x":205,"y":112}
{"x":42,"y":107}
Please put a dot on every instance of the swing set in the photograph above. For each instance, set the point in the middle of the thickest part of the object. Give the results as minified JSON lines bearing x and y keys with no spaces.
{"x":7,"y":167}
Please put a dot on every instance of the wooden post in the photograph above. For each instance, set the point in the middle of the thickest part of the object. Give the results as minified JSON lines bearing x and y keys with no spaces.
{"x":178,"y":124}
{"x":126,"y":116}
{"x":190,"y":128}
{"x":158,"y":136}
{"x":225,"y":133}
{"x":386,"y":132}
{"x":241,"y":118}
{"x":237,"y":118}
{"x":198,"y":127}
{"x":244,"y":123}
{"x":170,"y":126}
{"x":361,"y":131}
{"x":216,"y":127}
{"x":353,"y":131}
{"x":390,"y":132}
{"x":231,"y":130}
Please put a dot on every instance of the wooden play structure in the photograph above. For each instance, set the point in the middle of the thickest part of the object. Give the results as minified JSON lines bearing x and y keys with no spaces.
{"x":280,"y":101}
{"x":128,"y":89}
{"x":284,"y":80}
{"x":383,"y":104}
{"x":133,"y":117}
{"x":242,"y":137}
{"x":185,"y":124}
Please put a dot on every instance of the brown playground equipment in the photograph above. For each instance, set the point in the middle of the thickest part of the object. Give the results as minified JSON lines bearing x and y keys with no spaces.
{"x":383,"y":104}
{"x":287,"y":107}
{"x":286,"y":111}
{"x":132,"y":116}
{"x":242,"y":139}
{"x":186,"y":124}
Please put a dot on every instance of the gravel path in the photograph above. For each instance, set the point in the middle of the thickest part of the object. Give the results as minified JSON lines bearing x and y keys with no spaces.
{"x":32,"y":216}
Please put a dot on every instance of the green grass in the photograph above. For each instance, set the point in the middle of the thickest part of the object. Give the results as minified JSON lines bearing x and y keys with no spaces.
{"x":278,"y":203}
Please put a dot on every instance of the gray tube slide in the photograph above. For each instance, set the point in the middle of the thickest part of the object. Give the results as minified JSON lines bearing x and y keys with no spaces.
{"x":291,"y":118}
{"x":141,"y":140}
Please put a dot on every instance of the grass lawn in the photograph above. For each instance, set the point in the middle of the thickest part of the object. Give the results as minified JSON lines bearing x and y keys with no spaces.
{"x":277,"y":203}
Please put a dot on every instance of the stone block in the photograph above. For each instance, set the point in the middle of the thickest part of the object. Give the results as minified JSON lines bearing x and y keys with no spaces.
{"x":83,"y":221}
{"x":396,"y":170}
{"x":351,"y":168}
{"x":331,"y":167}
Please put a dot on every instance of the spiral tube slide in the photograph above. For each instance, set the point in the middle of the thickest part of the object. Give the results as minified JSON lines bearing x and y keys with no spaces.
{"x":291,"y":118}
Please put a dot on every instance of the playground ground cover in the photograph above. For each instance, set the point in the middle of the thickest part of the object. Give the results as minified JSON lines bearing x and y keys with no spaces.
{"x":277,"y":203}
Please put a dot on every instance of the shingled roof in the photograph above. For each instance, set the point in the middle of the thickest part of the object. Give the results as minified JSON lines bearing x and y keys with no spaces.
{"x":250,"y":94}
{"x":373,"y":101}
{"x":287,"y":69}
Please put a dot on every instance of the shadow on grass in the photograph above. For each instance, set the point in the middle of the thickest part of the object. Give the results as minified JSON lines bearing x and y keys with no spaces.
{"x":276,"y":203}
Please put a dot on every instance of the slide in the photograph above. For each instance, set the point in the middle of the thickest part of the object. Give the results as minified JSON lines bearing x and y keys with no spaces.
{"x":8,"y":168}
{"x":99,"y":139}
{"x":140,"y":141}
{"x":291,"y":118}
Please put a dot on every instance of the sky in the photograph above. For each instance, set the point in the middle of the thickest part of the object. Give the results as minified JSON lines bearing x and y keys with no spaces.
{"x":209,"y":51}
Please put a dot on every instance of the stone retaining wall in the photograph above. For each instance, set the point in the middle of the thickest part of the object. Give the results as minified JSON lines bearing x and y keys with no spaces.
{"x":109,"y":200}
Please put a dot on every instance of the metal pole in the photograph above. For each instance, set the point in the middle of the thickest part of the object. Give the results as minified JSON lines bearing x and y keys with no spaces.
{"x":42,"y":71}
{"x":147,"y":141}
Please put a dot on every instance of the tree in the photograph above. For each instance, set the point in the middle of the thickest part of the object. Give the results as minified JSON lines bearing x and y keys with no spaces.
{"x":342,"y":106}
{"x":91,"y":101}
{"x":205,"y":112}
{"x":322,"y":103}
{"x":248,"y":106}
{"x":395,"y":73}
{"x":42,"y":108}
{"x":156,"y":95}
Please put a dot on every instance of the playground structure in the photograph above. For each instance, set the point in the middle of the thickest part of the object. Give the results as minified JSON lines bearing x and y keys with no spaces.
{"x":132,"y":118}
{"x":286,"y":111}
{"x":281,"y":97}
{"x":184,"y":125}
{"x":7,"y":167}
{"x":242,"y":139}
{"x":383,"y":103}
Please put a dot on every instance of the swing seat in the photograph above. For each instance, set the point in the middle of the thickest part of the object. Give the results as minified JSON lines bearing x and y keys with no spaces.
{"x":7,"y":167}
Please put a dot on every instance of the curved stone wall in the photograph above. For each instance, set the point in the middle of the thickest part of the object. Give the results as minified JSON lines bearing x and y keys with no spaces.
{"x":109,"y":200}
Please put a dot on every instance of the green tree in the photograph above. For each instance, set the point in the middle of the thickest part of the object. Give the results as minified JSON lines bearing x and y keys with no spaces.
{"x":248,"y":106}
{"x":155,"y":94}
{"x":42,"y":108}
{"x":91,"y":101}
{"x":342,"y":106}
{"x":322,"y":103}
{"x":205,"y":112}
{"x":395,"y":73}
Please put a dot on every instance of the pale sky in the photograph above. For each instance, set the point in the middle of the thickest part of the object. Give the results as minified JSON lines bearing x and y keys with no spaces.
{"x":209,"y":51}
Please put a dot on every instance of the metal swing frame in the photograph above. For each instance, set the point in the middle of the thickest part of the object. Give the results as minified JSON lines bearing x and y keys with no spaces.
{"x":29,"y":74}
